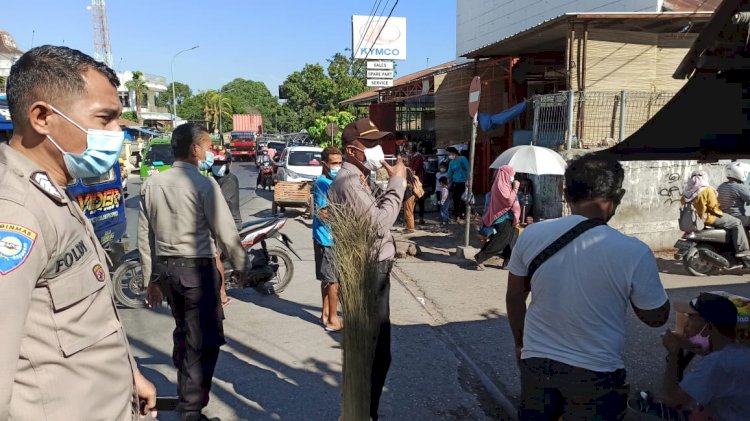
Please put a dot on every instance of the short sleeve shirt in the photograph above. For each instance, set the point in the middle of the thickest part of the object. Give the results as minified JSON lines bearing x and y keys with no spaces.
{"x":580,"y":296}
{"x":320,"y":200}
{"x":719,"y":383}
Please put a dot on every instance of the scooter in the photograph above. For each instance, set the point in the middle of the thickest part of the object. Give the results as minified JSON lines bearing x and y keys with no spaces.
{"x":266,"y":175}
{"x":706,"y":252}
{"x":270,"y":268}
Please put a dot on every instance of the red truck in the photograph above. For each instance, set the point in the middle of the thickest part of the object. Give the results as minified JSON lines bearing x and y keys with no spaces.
{"x":245,"y":130}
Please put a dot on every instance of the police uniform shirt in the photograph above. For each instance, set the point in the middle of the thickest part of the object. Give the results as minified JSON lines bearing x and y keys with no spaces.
{"x":184,"y":214}
{"x":63,"y":353}
{"x":350,"y":187}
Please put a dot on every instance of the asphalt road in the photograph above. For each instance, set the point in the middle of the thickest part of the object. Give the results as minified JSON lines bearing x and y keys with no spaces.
{"x":453,"y":356}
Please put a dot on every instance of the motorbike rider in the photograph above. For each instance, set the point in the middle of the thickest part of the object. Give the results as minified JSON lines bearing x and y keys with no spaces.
{"x":261,"y":160}
{"x":230,"y":189}
{"x":734,"y":193}
{"x":702,"y":196}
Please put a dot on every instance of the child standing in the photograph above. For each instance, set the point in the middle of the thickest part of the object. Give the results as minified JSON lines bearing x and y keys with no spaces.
{"x":444,"y":199}
{"x":442,"y":172}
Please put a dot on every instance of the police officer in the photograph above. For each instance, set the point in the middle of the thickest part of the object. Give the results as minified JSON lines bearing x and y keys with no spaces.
{"x":63,"y":352}
{"x":183,"y":216}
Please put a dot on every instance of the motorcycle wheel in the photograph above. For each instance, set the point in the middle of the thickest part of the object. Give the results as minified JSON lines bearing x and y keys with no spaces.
{"x":698,"y":266}
{"x":278,"y":283}
{"x":128,"y":285}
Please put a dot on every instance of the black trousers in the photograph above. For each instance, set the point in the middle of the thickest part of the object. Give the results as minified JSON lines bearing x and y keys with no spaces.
{"x":420,"y":206}
{"x":382,"y":360}
{"x":191,"y":287}
{"x":500,"y":243}
{"x":459,"y":207}
{"x":551,"y":389}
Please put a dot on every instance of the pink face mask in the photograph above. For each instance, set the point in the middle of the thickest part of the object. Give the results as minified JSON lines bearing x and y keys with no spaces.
{"x":702,"y":342}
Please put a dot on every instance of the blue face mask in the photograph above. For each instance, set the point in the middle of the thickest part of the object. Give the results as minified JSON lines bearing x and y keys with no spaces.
{"x":206,"y":164}
{"x":102,"y":151}
{"x":333,"y":171}
{"x":219,"y":170}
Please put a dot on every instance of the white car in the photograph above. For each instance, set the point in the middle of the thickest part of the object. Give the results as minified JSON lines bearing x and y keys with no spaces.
{"x":300,"y":163}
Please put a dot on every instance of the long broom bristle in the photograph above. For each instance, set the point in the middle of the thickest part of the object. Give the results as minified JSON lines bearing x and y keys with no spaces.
{"x":355,"y":259}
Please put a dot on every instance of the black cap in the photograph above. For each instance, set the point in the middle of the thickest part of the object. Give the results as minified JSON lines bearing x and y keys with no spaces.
{"x":713,"y":308}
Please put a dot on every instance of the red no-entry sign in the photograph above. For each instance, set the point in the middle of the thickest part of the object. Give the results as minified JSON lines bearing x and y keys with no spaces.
{"x":474,"y":92}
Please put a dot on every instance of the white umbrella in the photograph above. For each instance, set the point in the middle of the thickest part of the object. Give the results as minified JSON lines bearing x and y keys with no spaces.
{"x":531,"y":160}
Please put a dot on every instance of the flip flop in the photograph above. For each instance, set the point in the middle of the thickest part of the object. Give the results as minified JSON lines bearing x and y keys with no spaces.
{"x":330,"y":329}
{"x":229,"y":300}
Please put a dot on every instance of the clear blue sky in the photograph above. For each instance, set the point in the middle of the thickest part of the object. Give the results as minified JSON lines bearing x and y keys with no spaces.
{"x":254,"y":39}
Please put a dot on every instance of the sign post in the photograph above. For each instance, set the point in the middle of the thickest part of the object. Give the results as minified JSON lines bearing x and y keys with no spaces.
{"x":475,"y":90}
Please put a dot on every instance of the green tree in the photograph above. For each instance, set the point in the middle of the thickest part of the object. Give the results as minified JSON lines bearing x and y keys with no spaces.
{"x":182,"y":93}
{"x":192,"y":109}
{"x":213,"y":104}
{"x":315,"y":91}
{"x":250,"y":97}
{"x":138,"y":86}
{"x":318,"y":133}
{"x":130,"y":116}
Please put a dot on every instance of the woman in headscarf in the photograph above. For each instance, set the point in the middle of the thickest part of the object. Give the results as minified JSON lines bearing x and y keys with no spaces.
{"x":501,"y":216}
{"x":702,"y":197}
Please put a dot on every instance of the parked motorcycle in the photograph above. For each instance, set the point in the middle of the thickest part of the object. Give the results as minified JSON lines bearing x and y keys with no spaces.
{"x":706,"y":252}
{"x":270,"y":269}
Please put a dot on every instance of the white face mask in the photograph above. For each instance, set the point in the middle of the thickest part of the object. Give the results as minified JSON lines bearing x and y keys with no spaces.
{"x":373,"y":156}
{"x":219,"y":170}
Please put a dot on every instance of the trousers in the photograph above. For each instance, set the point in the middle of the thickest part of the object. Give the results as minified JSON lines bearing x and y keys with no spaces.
{"x":500,"y":243}
{"x":191,"y":287}
{"x":551,"y":389}
{"x":409,"y":212}
{"x":382,"y":359}
{"x":459,"y":207}
{"x":735,"y":230}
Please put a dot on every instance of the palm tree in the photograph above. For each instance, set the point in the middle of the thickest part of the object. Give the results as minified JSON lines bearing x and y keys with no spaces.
{"x":138,"y":86}
{"x":214,"y":103}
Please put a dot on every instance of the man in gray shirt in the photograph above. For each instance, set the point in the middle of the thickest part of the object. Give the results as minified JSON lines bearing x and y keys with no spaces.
{"x":734,"y":194}
{"x":352,"y":187}
{"x":183,"y":216}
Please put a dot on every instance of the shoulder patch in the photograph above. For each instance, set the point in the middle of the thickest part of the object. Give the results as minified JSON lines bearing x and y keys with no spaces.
{"x":16,"y":243}
{"x":42,"y":181}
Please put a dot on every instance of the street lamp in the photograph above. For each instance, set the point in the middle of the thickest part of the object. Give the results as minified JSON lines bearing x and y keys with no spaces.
{"x":174,"y":99}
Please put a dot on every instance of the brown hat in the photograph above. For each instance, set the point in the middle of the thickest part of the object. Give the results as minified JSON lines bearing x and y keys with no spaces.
{"x":362,"y":129}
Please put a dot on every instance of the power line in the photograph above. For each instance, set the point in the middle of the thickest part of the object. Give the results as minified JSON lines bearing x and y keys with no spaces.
{"x":370,"y":18}
{"x":380,"y":32}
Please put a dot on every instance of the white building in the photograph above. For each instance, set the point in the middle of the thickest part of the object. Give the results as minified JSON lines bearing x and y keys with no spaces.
{"x":149,"y":110}
{"x":480,"y":23}
{"x":9,"y":53}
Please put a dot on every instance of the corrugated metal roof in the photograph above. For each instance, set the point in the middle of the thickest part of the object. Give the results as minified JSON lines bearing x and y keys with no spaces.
{"x":412,"y":77}
{"x":558,"y":22}
{"x":692,"y":5}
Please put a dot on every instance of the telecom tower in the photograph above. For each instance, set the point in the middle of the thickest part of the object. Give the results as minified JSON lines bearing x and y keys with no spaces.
{"x":102,"y":48}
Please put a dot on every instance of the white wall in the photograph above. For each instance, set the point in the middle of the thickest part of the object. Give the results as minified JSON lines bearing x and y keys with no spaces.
{"x":483,"y":22}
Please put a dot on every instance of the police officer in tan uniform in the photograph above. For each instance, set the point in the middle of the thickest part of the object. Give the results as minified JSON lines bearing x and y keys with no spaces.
{"x":183,"y":216}
{"x":63,"y":353}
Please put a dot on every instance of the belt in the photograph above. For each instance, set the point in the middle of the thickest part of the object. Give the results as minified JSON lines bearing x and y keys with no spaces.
{"x":186,"y":262}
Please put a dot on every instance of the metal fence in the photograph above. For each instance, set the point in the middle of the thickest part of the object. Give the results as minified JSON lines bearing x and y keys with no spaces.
{"x":591,"y":119}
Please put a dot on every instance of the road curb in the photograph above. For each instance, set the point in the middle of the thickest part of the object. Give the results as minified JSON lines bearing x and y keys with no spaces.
{"x":488,"y":384}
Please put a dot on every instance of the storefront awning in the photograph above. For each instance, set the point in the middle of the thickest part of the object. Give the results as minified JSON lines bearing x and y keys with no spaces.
{"x":706,"y":120}
{"x":146,"y":131}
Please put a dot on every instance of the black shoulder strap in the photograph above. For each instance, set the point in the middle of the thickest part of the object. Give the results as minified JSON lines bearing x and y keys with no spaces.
{"x":561,"y":242}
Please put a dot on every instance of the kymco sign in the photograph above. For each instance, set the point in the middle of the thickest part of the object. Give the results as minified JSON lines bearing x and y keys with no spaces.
{"x":390,"y":45}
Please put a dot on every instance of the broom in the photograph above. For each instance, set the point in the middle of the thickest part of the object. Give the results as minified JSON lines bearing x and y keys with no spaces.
{"x":355,"y":260}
